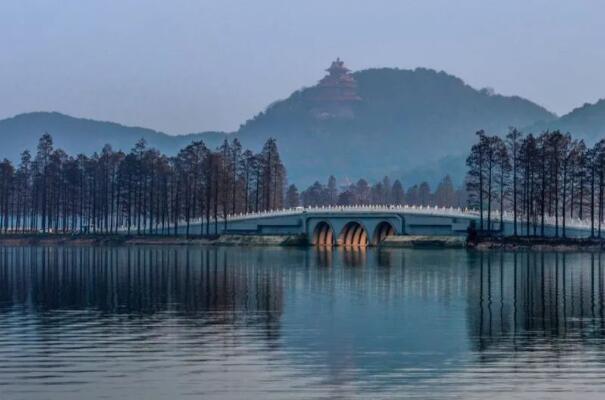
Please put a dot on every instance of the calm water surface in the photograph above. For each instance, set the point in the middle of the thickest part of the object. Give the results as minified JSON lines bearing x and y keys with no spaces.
{"x":273,"y":323}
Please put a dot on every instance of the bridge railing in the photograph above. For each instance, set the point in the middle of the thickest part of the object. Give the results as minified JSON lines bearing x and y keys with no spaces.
{"x":507,"y":216}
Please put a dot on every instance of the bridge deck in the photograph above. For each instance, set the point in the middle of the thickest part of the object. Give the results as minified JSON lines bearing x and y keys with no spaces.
{"x":402,"y":220}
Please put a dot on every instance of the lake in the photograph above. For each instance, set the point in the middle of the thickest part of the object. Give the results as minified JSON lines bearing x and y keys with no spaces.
{"x":297,"y":323}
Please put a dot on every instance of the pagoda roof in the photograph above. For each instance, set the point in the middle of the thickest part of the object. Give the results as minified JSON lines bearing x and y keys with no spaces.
{"x":338,"y":66}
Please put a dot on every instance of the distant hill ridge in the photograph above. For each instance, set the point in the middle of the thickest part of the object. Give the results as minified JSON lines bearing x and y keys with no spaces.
{"x":411,"y":124}
{"x":587,"y":122}
{"x":81,"y":135}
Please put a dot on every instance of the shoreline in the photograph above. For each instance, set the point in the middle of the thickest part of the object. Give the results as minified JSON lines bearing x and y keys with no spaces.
{"x":50,"y":239}
{"x":511,"y":243}
{"x":487,"y":243}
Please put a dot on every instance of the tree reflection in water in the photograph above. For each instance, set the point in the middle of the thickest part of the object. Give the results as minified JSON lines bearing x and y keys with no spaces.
{"x":139,"y":281}
{"x":535,"y":296}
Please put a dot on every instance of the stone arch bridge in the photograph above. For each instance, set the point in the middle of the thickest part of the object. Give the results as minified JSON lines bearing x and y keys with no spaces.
{"x":364,"y":225}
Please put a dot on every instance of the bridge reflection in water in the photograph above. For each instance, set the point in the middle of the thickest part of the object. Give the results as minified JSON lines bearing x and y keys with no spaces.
{"x":351,"y":321}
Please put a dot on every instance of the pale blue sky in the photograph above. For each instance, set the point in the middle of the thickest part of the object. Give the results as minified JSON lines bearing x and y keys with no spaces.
{"x":182,"y":66}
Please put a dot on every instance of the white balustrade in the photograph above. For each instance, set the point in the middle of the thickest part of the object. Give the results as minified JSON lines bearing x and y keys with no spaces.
{"x":400,"y":208}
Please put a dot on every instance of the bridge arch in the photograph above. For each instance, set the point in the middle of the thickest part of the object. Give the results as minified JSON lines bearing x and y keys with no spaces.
{"x":323,"y":234}
{"x":353,"y":234}
{"x":382,"y":230}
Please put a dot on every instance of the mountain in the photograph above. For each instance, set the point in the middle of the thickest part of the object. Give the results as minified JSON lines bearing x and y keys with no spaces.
{"x":587,"y":122}
{"x":416,"y":124}
{"x":79,"y":135}
{"x":406,"y":120}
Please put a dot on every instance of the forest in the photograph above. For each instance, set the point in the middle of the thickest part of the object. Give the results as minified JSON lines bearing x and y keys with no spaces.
{"x":537,"y":178}
{"x":382,"y":192}
{"x":142,"y":191}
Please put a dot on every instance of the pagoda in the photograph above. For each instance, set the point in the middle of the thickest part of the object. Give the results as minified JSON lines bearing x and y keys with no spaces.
{"x":336,"y":93}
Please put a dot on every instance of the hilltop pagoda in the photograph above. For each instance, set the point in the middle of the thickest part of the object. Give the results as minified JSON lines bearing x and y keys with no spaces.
{"x":336,"y":93}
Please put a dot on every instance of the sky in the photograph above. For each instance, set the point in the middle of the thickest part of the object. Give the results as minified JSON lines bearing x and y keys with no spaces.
{"x":184,"y":66}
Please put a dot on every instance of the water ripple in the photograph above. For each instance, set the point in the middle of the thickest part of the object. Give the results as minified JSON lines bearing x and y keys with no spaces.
{"x":270,"y":323}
